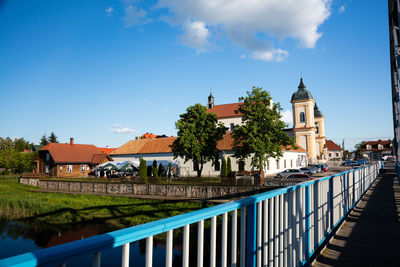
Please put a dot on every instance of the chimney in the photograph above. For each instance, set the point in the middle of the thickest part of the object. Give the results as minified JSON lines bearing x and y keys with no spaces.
{"x":71,"y":141}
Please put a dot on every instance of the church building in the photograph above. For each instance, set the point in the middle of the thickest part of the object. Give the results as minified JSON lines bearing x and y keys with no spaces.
{"x":308,"y":124}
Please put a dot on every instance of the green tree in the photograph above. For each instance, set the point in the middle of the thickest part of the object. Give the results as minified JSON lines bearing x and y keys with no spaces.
{"x":198,"y":135}
{"x":53,"y":138}
{"x":160,"y":170}
{"x":223,"y":168}
{"x":143,"y":168}
{"x":358,"y":149}
{"x":6,"y":143}
{"x":43,"y":140}
{"x":228,"y":167}
{"x":261,"y":135}
{"x":155,"y":169}
{"x":20,"y":144}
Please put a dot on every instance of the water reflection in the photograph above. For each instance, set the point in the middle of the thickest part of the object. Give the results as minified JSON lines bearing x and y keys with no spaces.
{"x":18,"y":238}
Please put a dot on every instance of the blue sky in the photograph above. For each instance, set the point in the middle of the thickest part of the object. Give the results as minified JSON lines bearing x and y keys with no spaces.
{"x":104,"y":72}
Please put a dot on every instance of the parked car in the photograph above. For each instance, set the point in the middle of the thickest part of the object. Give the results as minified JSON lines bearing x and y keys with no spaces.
{"x":321,"y":167}
{"x":348,"y":162}
{"x":288,"y":172}
{"x":299,"y":175}
{"x":363,"y":161}
{"x":308,"y":170}
{"x":317,"y":166}
{"x":355,"y":163}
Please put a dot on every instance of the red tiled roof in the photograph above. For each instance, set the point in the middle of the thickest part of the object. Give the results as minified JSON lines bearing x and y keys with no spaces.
{"x":331,"y":146}
{"x":76,"y":153}
{"x":379,"y":142}
{"x":225,"y":110}
{"x":106,"y":150}
{"x":163,"y":145}
{"x":145,"y":146}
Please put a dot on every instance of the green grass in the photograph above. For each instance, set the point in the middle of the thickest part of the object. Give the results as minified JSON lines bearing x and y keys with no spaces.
{"x":24,"y":203}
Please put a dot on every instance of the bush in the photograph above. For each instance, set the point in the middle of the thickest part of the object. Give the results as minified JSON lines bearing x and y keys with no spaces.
{"x":224,"y":170}
{"x":160,"y":170}
{"x":229,"y":167}
{"x":155,"y":169}
{"x":143,"y":168}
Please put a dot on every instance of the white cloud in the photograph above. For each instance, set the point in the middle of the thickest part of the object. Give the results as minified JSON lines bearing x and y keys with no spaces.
{"x":118,"y":129}
{"x":109,"y":10}
{"x":249,"y":24}
{"x":134,"y":15}
{"x":287,"y":117}
{"x":195,"y":35}
{"x":342,"y":8}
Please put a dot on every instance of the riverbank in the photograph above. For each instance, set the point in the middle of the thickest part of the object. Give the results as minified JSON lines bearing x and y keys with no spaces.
{"x":26,"y":204}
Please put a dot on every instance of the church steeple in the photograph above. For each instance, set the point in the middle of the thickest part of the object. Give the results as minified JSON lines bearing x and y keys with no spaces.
{"x":210,"y":101}
{"x":301,"y":84}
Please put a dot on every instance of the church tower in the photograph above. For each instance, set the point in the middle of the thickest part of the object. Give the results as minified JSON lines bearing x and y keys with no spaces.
{"x":210,"y":101}
{"x":304,"y":122}
{"x":320,"y":138}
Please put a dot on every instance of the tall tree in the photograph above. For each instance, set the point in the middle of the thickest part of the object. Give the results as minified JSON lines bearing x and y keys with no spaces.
{"x":155,"y":169}
{"x":143,"y":168}
{"x":261,"y":134}
{"x":198,"y":135}
{"x":43,"y":140}
{"x":53,"y":138}
{"x":223,"y":168}
{"x":228,"y":167}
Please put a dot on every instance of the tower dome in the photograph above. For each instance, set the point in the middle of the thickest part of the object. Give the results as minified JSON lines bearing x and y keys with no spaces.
{"x":301,"y":93}
{"x":317,"y":112}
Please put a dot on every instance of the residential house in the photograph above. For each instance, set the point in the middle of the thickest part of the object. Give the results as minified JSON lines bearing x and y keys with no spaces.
{"x":160,"y":149}
{"x":375,"y":150}
{"x":69,"y":160}
{"x":335,"y":152}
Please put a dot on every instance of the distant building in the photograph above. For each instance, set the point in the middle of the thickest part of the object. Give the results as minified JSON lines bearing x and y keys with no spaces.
{"x":375,"y":150}
{"x":69,"y":160}
{"x":335,"y":152}
{"x":160,"y":149}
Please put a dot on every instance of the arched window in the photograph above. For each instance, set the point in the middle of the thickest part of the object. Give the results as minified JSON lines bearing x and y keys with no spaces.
{"x":302,"y":117}
{"x":316,"y":129}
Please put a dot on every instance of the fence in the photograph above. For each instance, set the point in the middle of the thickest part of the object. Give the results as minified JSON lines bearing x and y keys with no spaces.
{"x":283,"y":227}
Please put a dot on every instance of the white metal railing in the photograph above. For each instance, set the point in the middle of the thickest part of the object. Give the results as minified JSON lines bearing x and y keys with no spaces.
{"x":283,"y":227}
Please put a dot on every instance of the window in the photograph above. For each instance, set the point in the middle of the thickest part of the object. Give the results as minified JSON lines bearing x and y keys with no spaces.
{"x":302,"y":117}
{"x":47,"y":169}
{"x":232,"y":126}
{"x":241,"y":165}
{"x":330,"y":155}
{"x":195,"y":166}
{"x":337,"y":155}
{"x":368,"y":146}
{"x":277,"y":164}
{"x":69,"y":168}
{"x":83,"y":167}
{"x":291,"y":163}
{"x":284,"y":164}
{"x":316,"y":129}
{"x":380,"y":146}
{"x":267,"y":165}
{"x":48,"y":157}
{"x":217,"y":165}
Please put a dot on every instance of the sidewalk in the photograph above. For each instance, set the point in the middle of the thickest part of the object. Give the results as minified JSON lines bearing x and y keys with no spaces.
{"x":370,"y":236}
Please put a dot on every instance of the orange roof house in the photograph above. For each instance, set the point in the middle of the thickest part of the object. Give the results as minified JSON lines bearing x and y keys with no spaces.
{"x":332,"y":146}
{"x":70,"y":160}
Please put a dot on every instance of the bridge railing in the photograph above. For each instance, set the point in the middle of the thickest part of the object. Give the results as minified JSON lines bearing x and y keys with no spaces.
{"x":284,"y":226}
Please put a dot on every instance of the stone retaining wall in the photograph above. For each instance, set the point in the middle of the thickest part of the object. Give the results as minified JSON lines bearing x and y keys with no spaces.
{"x":185,"y":191}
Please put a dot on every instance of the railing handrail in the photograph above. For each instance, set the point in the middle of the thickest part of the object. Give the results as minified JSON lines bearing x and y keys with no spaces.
{"x":120,"y":237}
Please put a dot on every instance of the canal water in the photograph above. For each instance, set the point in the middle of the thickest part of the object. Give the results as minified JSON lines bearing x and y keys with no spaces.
{"x":17,"y":238}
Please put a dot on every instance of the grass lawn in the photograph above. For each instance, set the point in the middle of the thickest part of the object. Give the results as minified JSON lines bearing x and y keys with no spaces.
{"x":24,"y":203}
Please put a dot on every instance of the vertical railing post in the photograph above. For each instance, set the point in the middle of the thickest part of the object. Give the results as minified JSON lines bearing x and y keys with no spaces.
{"x":251,"y":234}
{"x":345,"y":193}
{"x":234,"y":239}
{"x":200,"y":243}
{"x":168,"y":254}
{"x":186,"y":235}
{"x":149,"y":251}
{"x":243,"y":237}
{"x":331,"y":194}
{"x":125,"y":255}
{"x":307,"y":222}
{"x":97,"y":259}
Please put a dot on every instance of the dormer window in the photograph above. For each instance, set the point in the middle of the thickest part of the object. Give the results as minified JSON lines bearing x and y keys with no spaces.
{"x":380,"y":146}
{"x":368,"y":146}
{"x":302,"y":117}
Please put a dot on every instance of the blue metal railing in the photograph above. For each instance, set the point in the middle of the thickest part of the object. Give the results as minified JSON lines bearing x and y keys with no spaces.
{"x":286,"y":225}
